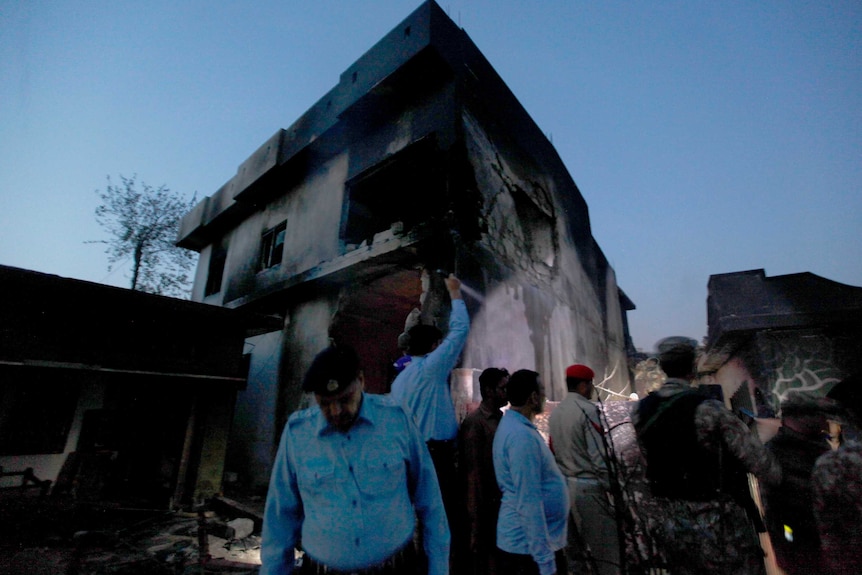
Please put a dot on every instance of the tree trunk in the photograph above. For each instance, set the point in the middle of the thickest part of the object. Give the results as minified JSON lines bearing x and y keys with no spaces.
{"x":136,"y":268}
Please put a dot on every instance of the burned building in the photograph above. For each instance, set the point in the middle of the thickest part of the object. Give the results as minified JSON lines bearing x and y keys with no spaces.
{"x":419,"y":160}
{"x":771,"y":335}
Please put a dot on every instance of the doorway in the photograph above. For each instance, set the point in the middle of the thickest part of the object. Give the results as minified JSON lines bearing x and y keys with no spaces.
{"x":370,"y":319}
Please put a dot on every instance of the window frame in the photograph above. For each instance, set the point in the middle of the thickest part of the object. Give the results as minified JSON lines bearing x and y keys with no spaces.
{"x":272,"y":242}
{"x":215,"y":271}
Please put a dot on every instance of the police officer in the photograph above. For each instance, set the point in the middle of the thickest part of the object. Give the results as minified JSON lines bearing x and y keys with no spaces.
{"x":350,"y":478}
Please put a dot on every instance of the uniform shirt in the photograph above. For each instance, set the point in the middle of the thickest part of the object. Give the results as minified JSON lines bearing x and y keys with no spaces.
{"x":423,"y":387}
{"x":715,"y":425}
{"x":789,"y":503}
{"x":349,"y":498}
{"x":836,"y":484}
{"x":576,"y":437}
{"x":535,"y":501}
{"x":708,"y":536}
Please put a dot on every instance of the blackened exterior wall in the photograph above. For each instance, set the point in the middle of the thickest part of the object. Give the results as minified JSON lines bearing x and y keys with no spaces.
{"x":420,"y":157}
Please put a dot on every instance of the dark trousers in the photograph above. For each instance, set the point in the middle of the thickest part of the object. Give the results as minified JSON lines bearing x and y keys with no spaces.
{"x":517,"y":564}
{"x":444,"y":455}
{"x":484,"y":561}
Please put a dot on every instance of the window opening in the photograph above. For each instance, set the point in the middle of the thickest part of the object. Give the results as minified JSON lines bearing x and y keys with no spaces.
{"x":218,"y":258}
{"x":537,"y":226}
{"x":409,"y":187}
{"x":272,"y":246}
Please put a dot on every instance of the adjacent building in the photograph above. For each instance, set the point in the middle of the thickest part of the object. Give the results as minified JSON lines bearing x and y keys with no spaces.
{"x":771,"y":335}
{"x":117,"y":395}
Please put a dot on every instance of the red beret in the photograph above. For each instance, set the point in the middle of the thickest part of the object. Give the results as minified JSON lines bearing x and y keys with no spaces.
{"x":579,"y":371}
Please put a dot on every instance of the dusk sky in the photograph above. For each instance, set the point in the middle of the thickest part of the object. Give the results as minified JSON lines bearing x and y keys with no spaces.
{"x":706,"y":137}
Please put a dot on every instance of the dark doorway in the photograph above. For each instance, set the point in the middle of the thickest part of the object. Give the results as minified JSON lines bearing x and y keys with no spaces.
{"x":372,"y":317}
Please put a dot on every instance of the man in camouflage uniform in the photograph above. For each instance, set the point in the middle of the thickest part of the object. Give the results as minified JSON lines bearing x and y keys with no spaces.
{"x":698,"y":454}
{"x":800,"y":440}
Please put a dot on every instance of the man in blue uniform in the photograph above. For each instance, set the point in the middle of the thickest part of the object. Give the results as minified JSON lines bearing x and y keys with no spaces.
{"x":531,"y":528}
{"x":423,"y":389}
{"x":351,"y":477}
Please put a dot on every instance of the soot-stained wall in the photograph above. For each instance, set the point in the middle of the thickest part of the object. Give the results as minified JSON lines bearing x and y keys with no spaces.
{"x":419,"y":159}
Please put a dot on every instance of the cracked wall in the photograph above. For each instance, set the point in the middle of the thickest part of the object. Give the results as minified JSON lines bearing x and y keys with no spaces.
{"x":542,"y":310}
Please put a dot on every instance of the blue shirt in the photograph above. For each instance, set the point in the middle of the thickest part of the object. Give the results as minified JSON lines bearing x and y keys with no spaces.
{"x":352,"y":498}
{"x":535,"y":503}
{"x":423,"y":387}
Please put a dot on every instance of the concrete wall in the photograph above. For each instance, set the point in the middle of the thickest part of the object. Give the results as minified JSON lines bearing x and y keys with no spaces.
{"x":775,"y":363}
{"x":250,"y":458}
{"x":540,"y":292}
{"x":541,"y":309}
{"x":810,"y":360}
{"x":312,"y":210}
{"x":731,"y":377}
{"x":47,"y":466}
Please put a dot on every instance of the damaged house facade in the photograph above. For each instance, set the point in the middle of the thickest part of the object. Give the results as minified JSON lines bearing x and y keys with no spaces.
{"x":419,"y":162}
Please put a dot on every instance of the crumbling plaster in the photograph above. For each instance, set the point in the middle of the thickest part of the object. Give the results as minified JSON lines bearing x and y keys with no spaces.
{"x":552,"y":310}
{"x":731,"y":375}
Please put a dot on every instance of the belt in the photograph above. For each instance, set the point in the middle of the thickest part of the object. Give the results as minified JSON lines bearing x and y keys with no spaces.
{"x":402,"y":561}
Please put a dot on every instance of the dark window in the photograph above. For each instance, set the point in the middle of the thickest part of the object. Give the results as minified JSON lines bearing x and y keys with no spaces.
{"x":216,"y":270}
{"x":409,"y":187}
{"x":272,"y":246}
{"x":36,"y":414}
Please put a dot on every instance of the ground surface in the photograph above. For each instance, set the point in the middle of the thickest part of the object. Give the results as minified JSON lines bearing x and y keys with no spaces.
{"x":61,"y":537}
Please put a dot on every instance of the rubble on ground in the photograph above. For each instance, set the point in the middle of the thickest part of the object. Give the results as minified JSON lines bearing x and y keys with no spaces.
{"x":46,"y":536}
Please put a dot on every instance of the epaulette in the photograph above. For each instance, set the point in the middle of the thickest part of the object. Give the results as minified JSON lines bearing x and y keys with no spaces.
{"x":384,"y":400}
{"x":301,"y":416}
{"x":385,"y":404}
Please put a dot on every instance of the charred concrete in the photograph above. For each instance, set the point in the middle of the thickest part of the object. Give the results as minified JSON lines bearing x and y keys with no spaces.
{"x":420,"y":158}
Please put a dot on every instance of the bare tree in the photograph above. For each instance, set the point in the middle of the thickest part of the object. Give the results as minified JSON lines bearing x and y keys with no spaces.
{"x":143,"y":222}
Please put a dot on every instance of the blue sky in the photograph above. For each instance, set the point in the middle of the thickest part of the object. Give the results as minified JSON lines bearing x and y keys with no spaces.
{"x":706,"y":137}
